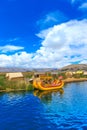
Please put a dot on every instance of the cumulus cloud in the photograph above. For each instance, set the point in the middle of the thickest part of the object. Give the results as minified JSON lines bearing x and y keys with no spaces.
{"x":64,"y":41}
{"x":10,"y":48}
{"x":62,"y":45}
{"x":22,"y":59}
{"x":70,"y":33}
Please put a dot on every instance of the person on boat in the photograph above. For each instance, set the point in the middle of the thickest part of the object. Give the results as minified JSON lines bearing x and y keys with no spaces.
{"x":54,"y":82}
{"x":60,"y":79}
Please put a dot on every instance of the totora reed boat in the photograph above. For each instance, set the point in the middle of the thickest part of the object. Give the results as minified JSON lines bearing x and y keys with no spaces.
{"x":41,"y":85}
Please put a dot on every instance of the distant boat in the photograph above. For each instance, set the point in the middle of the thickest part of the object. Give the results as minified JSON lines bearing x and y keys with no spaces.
{"x":41,"y":85}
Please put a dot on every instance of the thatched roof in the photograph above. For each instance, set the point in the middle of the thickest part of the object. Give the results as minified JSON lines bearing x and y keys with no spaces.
{"x":14,"y":75}
{"x":54,"y":73}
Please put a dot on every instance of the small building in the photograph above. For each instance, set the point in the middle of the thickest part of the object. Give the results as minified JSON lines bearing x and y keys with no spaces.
{"x":69,"y":74}
{"x":54,"y":74}
{"x":73,"y":72}
{"x":14,"y":76}
{"x":79,"y":72}
{"x":85,"y":73}
{"x":41,"y":75}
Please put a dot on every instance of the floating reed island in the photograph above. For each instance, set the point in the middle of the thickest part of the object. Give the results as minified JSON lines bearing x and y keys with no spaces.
{"x":18,"y":81}
{"x":69,"y":80}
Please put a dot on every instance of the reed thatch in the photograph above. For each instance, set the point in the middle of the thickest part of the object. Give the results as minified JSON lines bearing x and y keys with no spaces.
{"x":17,"y":75}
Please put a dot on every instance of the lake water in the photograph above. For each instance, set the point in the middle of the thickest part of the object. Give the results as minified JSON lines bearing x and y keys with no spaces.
{"x":56,"y":110}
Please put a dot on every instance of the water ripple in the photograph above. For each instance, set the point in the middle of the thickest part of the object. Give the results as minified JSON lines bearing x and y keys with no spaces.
{"x":59,"y":110}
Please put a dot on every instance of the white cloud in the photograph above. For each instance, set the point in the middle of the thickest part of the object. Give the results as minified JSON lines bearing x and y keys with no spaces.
{"x":76,"y":1}
{"x":72,"y":1}
{"x":17,"y":60}
{"x":51,"y":18}
{"x":67,"y":39}
{"x":10,"y":48}
{"x":62,"y":45}
{"x":12,"y":40}
{"x":83,"y":6}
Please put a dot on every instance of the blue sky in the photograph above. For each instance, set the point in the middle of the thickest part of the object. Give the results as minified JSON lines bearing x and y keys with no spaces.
{"x":43,"y":33}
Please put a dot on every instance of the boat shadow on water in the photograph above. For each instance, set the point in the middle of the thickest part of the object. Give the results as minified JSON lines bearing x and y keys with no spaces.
{"x":46,"y":96}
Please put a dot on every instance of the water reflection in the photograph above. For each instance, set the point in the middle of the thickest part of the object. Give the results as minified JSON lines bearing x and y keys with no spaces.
{"x":12,"y":98}
{"x":62,"y":109}
{"x":15,"y":93}
{"x":46,"y":96}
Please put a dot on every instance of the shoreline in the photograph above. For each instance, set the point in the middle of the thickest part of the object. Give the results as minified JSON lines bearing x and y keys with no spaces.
{"x":70,"y":80}
{"x":13,"y":90}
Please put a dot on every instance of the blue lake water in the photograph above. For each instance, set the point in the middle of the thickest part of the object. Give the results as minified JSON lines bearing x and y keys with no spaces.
{"x":56,"y":110}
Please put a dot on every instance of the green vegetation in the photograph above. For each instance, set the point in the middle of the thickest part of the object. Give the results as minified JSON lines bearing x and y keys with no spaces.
{"x":24,"y":84}
{"x":71,"y":75}
{"x":12,"y":85}
{"x":62,"y":74}
{"x":28,"y":74}
{"x":79,"y":76}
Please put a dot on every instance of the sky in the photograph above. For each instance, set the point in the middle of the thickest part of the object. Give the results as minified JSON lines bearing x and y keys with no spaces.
{"x":43,"y":33}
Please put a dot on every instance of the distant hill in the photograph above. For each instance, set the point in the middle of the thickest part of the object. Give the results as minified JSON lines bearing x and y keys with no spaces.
{"x":75,"y":67}
{"x":4,"y":69}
